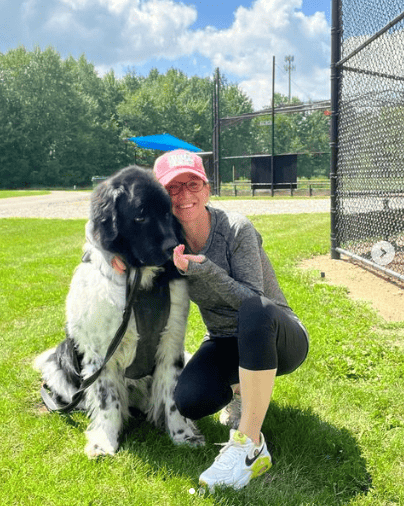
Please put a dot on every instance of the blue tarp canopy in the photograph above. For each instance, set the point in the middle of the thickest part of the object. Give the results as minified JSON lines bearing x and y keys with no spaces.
{"x":163,"y":142}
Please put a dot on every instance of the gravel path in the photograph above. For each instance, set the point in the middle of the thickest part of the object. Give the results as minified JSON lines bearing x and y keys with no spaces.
{"x":74,"y":205}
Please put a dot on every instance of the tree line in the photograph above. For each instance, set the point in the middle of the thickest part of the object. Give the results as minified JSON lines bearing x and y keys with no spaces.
{"x":61,"y":123}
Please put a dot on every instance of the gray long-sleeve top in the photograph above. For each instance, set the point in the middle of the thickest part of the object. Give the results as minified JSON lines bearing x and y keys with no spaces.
{"x":236,"y":267}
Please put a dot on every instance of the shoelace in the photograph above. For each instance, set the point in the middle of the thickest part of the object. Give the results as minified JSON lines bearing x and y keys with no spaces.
{"x":230,"y":451}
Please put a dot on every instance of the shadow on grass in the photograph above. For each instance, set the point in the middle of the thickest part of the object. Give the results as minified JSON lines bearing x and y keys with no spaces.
{"x":314,"y":462}
{"x":315,"y":455}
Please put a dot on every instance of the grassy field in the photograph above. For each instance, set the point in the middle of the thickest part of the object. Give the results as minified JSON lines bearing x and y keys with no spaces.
{"x":335,"y":426}
{"x":5,"y":194}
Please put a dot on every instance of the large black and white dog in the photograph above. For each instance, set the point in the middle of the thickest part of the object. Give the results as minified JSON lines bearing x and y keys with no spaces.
{"x":130,"y":215}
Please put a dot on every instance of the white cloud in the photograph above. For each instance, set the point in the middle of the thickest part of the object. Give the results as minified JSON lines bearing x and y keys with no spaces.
{"x":114,"y":6}
{"x":112,"y":33}
{"x":313,"y":26}
{"x":271,"y":28}
{"x":65,"y":22}
{"x":154,"y":29}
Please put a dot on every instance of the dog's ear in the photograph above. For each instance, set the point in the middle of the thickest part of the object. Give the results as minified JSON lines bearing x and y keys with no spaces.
{"x":103,"y":211}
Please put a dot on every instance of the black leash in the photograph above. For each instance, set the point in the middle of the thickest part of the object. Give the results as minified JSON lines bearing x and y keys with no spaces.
{"x":52,"y":404}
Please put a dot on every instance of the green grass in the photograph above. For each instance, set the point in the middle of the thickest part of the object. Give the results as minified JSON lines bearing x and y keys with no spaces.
{"x":5,"y":194}
{"x":267,"y":197}
{"x":335,"y":426}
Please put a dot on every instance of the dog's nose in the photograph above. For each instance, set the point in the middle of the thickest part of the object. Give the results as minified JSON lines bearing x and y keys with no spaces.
{"x":169,"y":244}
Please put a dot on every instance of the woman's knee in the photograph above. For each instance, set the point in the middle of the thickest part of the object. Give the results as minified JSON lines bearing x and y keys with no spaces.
{"x":195,"y":400}
{"x":184,"y":401}
{"x":257,"y":331}
{"x":256,"y":314}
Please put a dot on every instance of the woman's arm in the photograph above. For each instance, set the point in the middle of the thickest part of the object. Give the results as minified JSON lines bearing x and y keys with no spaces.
{"x":245,"y":278}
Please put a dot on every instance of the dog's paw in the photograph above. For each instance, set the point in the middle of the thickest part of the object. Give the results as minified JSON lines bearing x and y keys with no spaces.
{"x":99,"y":444}
{"x":188,"y":436}
{"x":196,"y":440}
{"x":182,"y":430}
{"x":93,"y":450}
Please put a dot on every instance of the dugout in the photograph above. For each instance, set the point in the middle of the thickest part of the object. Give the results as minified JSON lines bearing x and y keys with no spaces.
{"x":277,"y":175}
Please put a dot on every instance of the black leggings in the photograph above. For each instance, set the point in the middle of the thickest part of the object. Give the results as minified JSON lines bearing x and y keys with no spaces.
{"x":269,"y":337}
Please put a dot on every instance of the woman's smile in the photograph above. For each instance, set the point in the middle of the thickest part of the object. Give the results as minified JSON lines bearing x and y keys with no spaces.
{"x":187,"y":205}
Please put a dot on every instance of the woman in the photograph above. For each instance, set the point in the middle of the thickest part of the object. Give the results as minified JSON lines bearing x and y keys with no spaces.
{"x":252,"y":334}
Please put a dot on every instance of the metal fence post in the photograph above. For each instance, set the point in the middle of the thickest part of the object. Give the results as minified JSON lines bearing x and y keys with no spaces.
{"x":273,"y":127}
{"x":335,"y":84}
{"x":216,"y":134}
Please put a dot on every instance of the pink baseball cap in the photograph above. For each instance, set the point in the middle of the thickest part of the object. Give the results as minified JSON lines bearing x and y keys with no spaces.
{"x":179,"y":161}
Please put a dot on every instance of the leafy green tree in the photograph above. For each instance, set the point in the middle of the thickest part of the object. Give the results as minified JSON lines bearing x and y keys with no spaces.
{"x":13,"y":167}
{"x":167,"y":103}
{"x":30,"y":81}
{"x":96,"y":146}
{"x":182,"y":106}
{"x":60,"y":124}
{"x":239,"y":139}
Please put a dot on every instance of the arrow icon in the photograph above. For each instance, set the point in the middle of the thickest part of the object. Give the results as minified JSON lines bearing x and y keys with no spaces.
{"x":383,"y":253}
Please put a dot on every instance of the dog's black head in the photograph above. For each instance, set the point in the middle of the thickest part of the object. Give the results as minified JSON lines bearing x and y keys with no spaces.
{"x":131,"y":214}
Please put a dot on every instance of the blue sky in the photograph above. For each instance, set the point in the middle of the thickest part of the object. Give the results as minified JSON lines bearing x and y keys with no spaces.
{"x":221,"y":14}
{"x":238,"y":36}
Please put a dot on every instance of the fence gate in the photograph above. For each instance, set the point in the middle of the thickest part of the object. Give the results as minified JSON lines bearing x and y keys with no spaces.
{"x":367,"y":133}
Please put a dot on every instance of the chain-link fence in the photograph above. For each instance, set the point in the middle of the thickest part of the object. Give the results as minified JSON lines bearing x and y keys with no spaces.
{"x":367,"y":133}
{"x":286,"y":128}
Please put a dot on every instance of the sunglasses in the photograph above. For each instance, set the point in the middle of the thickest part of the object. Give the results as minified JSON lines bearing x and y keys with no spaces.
{"x":194,"y":186}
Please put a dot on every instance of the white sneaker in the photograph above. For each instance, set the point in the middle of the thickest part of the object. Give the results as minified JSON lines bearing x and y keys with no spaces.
{"x":237,"y":463}
{"x":231,"y":414}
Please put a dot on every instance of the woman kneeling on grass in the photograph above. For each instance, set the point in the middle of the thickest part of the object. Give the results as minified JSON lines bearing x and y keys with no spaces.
{"x":252,"y":334}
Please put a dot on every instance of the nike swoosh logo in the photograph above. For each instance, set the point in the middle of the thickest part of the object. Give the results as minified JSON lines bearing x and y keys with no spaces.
{"x":249,"y":462}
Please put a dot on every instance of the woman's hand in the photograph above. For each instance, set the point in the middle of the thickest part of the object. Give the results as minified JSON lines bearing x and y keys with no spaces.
{"x":181,"y":261}
{"x":118,"y":265}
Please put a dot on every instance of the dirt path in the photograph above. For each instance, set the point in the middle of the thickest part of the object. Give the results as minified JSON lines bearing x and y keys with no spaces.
{"x":59,"y":204}
{"x":386,"y":296}
{"x":74,"y":205}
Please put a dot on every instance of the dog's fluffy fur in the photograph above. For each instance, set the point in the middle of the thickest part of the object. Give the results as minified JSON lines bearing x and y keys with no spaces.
{"x":130,"y":216}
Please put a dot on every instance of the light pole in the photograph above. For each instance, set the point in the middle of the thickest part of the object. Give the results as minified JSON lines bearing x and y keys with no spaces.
{"x":289,"y":67}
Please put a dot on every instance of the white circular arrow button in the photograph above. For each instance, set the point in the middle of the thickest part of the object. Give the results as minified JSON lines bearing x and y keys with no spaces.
{"x":383,"y":253}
